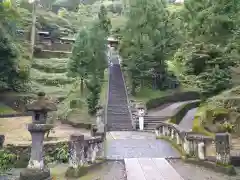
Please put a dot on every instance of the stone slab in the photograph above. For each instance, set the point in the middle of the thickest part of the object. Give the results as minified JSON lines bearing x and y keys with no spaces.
{"x":166,"y":170}
{"x":134,"y":170}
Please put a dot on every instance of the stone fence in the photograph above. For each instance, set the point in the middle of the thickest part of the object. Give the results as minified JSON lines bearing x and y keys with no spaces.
{"x":196,"y":146}
{"x":83,"y":151}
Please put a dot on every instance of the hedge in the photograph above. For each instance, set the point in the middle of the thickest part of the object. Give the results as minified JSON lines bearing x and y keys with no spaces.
{"x":177,"y":118}
{"x":175,"y":97}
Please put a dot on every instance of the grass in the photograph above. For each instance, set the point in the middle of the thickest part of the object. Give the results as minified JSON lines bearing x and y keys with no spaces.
{"x":51,"y":79}
{"x":54,"y":91}
{"x":53,"y":65}
{"x":6,"y":109}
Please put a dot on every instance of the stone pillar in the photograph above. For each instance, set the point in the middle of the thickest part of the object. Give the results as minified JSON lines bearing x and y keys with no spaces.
{"x":100,"y":152}
{"x":76,"y":156}
{"x":201,"y":150}
{"x":178,"y":139}
{"x":36,"y":169}
{"x":2,"y":139}
{"x":157,"y":132}
{"x":163,"y":131}
{"x":222,"y":148}
{"x":186,"y":146}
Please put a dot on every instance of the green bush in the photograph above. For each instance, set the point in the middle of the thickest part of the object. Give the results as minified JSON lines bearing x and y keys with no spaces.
{"x":7,"y":160}
{"x":175,"y":97}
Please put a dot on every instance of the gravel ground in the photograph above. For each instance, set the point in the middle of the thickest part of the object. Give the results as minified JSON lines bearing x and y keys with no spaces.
{"x":194,"y":172}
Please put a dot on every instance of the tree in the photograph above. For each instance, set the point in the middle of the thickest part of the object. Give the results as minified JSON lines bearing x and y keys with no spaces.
{"x":88,"y":62}
{"x":147,"y":41}
{"x":210,"y":47}
{"x":11,"y":78}
{"x":104,"y":21}
{"x":79,"y":61}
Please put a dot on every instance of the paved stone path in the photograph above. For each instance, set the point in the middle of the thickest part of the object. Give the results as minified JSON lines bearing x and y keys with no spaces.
{"x":167,"y":111}
{"x":187,"y":121}
{"x":194,"y":172}
{"x":150,"y":169}
{"x":123,"y":144}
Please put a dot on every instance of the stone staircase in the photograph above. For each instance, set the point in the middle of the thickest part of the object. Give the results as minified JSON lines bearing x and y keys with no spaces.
{"x":118,"y":114}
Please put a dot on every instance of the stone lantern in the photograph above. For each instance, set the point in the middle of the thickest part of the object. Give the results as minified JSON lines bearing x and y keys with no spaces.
{"x":40,"y":108}
{"x":36,"y":169}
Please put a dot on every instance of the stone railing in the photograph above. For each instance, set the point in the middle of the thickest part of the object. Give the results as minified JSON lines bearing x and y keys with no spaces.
{"x":197,"y":146}
{"x":83,"y":151}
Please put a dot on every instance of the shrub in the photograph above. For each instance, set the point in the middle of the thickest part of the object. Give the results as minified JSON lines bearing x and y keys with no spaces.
{"x":175,"y":97}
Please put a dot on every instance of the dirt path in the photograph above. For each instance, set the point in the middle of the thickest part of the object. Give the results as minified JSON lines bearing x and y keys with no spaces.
{"x":15,"y":130}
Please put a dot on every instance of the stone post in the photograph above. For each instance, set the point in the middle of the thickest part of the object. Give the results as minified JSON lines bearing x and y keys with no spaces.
{"x":172,"y":133}
{"x":100,"y":152}
{"x":201,"y":150}
{"x":177,"y":139}
{"x":2,"y":139}
{"x":186,"y":146}
{"x":36,"y":169}
{"x":222,"y":148}
{"x":141,"y":113}
{"x":76,"y":156}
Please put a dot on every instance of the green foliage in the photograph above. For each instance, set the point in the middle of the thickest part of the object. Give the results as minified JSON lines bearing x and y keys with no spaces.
{"x":59,"y":154}
{"x":94,"y":95}
{"x":148,"y":39}
{"x":204,"y":67}
{"x":88,"y":62}
{"x":9,"y":65}
{"x":104,"y":21}
{"x":209,"y":47}
{"x":6,"y":160}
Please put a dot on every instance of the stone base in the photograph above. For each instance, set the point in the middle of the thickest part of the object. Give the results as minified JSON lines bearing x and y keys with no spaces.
{"x":35,"y":174}
{"x":76,"y":172}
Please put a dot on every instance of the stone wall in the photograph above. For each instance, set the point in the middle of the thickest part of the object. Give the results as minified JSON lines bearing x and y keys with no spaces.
{"x":51,"y":149}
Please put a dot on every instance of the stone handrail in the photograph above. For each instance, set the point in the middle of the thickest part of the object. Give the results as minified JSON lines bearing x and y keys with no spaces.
{"x":83,"y":151}
{"x":197,"y":146}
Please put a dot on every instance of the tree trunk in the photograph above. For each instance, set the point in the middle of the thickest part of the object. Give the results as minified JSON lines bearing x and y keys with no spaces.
{"x":81,"y":86}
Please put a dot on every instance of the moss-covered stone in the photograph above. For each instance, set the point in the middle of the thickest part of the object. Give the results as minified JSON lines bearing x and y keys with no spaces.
{"x":35,"y":174}
{"x":76,"y":172}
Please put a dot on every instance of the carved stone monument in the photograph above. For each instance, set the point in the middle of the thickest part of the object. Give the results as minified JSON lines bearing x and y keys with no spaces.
{"x":40,"y":108}
{"x":222,"y":148}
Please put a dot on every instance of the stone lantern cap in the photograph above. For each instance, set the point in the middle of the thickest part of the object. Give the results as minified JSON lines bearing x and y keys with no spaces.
{"x":41,"y":104}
